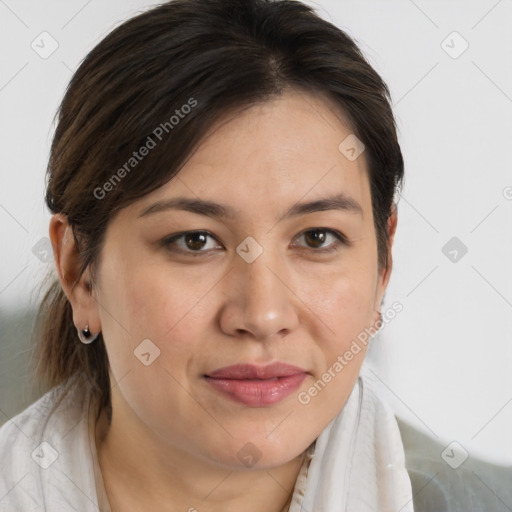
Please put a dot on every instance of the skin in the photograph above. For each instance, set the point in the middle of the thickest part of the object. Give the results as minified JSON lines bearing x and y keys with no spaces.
{"x":294,"y":303}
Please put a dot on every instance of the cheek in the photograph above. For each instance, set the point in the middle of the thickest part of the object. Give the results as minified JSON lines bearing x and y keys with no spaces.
{"x":171,"y":308}
{"x":341,"y":310}
{"x":343,"y":302}
{"x":151,"y":331}
{"x":168,"y":305}
{"x":151,"y":299}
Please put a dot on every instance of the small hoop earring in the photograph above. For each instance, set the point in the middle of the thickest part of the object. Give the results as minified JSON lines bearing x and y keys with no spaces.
{"x":85,"y":336}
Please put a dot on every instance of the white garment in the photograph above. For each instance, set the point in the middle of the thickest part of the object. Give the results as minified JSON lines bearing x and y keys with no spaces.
{"x":358,"y":464}
{"x":48,"y":459}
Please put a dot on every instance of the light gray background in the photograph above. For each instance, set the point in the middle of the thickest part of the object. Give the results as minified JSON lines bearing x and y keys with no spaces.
{"x":444,"y":362}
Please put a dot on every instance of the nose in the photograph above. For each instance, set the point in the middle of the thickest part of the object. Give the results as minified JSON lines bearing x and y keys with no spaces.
{"x":260,"y":300}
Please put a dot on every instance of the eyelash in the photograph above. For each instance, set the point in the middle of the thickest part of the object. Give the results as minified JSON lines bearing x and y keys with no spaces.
{"x":333,"y":247}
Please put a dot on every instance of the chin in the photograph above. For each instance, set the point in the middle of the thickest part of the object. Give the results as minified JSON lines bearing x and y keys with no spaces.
{"x":258,"y":452}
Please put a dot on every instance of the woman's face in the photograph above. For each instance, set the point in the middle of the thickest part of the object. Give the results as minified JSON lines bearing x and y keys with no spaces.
{"x":263,"y":277}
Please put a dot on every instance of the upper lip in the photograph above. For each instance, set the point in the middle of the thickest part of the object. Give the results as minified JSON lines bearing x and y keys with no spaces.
{"x":251,"y":371}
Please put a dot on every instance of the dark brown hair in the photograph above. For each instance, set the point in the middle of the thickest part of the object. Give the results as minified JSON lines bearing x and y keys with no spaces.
{"x":179,"y":68}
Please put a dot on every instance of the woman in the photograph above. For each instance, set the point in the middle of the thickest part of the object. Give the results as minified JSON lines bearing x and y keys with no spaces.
{"x":222,"y":182}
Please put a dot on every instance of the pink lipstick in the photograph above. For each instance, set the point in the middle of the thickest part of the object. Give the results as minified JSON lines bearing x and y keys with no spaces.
{"x":257,"y":386}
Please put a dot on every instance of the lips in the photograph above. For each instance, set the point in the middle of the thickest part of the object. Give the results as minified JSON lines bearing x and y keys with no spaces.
{"x":249,"y":371}
{"x":256,"y":386}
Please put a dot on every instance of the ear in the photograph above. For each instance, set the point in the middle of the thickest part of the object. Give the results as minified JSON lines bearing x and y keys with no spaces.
{"x":77,"y":288}
{"x":385,"y":272}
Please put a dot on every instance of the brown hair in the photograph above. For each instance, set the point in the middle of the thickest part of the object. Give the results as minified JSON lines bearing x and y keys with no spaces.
{"x":179,"y":68}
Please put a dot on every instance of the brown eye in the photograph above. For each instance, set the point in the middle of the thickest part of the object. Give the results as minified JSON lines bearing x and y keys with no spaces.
{"x":322,"y":240}
{"x":195,"y":241}
{"x":315,"y":238}
{"x":192,"y":243}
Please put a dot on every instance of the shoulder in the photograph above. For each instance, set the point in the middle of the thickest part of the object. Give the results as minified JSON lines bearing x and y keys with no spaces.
{"x":20,"y":438}
{"x":41,"y":449}
{"x":445,"y":477}
{"x":20,"y":435}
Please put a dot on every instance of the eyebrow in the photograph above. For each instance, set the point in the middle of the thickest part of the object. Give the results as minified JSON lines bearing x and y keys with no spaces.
{"x":340,"y":201}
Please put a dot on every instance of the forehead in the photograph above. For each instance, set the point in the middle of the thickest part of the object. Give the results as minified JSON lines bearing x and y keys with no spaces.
{"x":273,"y":154}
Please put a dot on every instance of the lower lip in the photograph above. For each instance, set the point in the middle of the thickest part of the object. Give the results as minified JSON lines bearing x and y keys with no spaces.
{"x":258,"y":393}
